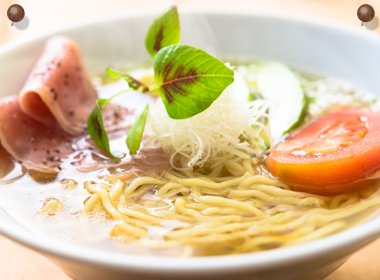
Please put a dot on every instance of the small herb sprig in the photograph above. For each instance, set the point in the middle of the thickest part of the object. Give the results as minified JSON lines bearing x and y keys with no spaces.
{"x":132,"y":82}
{"x":188,"y":80}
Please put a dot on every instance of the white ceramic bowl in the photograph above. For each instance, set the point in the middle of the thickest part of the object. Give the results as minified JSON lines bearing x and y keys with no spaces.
{"x":314,"y":45}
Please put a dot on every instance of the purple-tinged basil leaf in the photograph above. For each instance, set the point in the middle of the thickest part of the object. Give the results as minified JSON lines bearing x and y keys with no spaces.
{"x":189,"y":80}
{"x":95,"y":127}
{"x":136,"y":132}
{"x":132,"y":82}
{"x":164,"y":31}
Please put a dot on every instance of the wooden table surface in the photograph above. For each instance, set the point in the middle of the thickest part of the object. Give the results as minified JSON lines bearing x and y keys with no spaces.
{"x":19,"y":263}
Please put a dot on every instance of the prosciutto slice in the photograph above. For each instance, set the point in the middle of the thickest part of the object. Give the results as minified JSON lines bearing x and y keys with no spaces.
{"x":45,"y":124}
{"x":58,"y":91}
{"x":36,"y":144}
{"x":40,"y":146}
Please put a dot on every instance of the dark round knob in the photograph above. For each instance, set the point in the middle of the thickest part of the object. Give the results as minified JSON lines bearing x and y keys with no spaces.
{"x":366,"y":13}
{"x":16,"y":13}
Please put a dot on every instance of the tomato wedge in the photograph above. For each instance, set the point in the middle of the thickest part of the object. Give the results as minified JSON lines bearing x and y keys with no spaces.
{"x":335,"y":154}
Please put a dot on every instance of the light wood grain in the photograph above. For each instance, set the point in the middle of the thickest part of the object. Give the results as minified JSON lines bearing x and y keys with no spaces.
{"x":19,"y":263}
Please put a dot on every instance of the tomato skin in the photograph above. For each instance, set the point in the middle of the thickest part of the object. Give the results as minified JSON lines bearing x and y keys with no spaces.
{"x":345,"y":168}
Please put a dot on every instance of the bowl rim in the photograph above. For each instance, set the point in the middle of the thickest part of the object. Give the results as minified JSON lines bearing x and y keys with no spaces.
{"x":368,"y":230}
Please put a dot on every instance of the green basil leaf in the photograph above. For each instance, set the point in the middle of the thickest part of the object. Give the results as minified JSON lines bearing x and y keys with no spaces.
{"x":136,"y":132}
{"x":164,"y":31}
{"x":132,"y":82}
{"x":189,"y":80}
{"x":96,"y":129}
{"x":95,"y":126}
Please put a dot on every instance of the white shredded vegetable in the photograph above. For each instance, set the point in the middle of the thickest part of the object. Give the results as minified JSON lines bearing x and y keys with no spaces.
{"x":228,"y":129}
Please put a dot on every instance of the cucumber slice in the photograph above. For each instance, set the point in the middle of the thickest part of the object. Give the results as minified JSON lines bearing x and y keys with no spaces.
{"x":278,"y":84}
{"x":240,"y":87}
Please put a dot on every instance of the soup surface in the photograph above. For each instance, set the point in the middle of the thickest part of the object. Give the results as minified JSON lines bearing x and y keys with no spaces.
{"x":157,"y":203}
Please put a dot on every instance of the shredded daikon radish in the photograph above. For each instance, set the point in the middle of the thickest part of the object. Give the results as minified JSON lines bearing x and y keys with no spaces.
{"x":228,"y":129}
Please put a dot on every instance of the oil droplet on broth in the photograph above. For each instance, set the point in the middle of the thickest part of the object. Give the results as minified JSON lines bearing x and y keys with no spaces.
{"x":41,"y":177}
{"x":51,"y":207}
{"x":69,"y":184}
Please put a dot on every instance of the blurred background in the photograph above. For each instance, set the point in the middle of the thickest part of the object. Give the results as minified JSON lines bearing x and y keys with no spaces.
{"x":42,"y":14}
{"x":18,"y":263}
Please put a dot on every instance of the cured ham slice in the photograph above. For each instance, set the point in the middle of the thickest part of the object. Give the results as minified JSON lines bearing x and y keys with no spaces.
{"x":40,"y":146}
{"x":46,"y":123}
{"x":58,"y":91}
{"x":35,"y":144}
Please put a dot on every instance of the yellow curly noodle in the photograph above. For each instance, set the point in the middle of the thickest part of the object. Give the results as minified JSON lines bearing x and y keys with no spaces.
{"x":213,"y":196}
{"x":230,"y":209}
